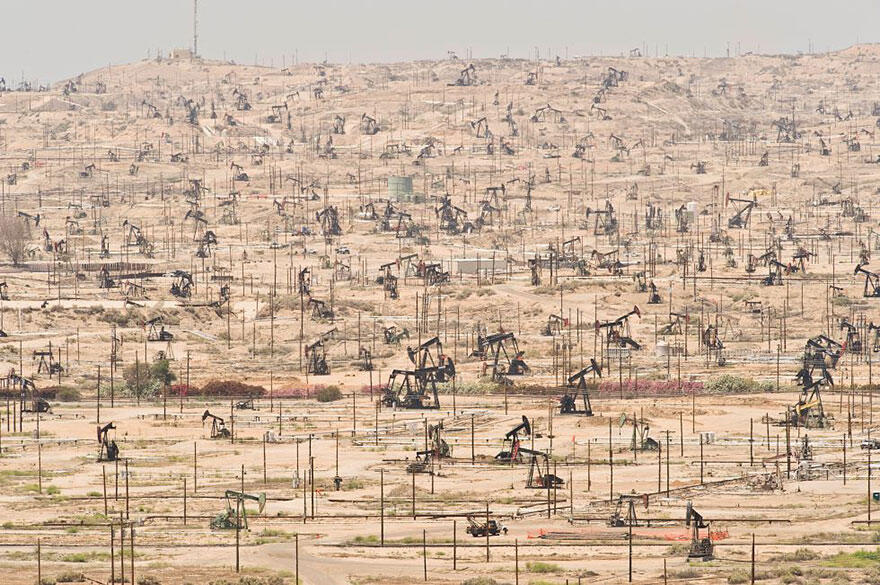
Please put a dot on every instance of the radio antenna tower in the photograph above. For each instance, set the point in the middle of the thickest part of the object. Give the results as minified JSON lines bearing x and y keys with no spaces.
{"x":195,"y":28}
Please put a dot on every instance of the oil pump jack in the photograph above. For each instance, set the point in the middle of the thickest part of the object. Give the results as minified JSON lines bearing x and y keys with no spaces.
{"x":577,"y":383}
{"x":422,"y":357}
{"x":776,"y":270}
{"x":218,"y":426}
{"x":641,"y":441}
{"x":338,"y":124}
{"x":743,"y":214}
{"x":388,"y":280}
{"x":329,"y":219}
{"x":467,"y":77}
{"x":821,"y":353}
{"x":47,"y":363}
{"x":278,"y":112}
{"x":412,"y":389}
{"x":481,"y":128}
{"x":438,"y":449}
{"x":156,"y":330}
{"x":510,"y":450}
{"x":606,"y":220}
{"x":452,"y":219}
{"x":235,"y":516}
{"x":135,"y":237}
{"x":712,"y":342}
{"x":392,"y":335}
{"x":369,"y":126}
{"x":654,"y":297}
{"x":872,"y":281}
{"x":27,"y":391}
{"x":628,"y":502}
{"x":701,"y":547}
{"x":182,"y":285}
{"x":809,"y":412}
{"x":316,"y":353}
{"x":853,"y":341}
{"x":555,"y":326}
{"x":238,"y":172}
{"x":108,"y":449}
{"x":540,"y":476}
{"x":504,"y":353}
{"x":618,"y":334}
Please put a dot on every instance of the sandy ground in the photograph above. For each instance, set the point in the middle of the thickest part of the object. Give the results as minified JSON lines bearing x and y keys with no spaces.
{"x":660,"y":122}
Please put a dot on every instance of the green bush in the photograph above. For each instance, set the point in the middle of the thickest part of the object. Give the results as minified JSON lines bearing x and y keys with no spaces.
{"x":144,"y":380}
{"x":329,"y":394}
{"x":70,"y":577}
{"x":539,"y":567}
{"x":728,"y":384}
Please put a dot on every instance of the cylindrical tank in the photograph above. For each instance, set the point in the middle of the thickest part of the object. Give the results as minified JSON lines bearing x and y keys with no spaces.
{"x":662,"y":349}
{"x":400,"y":187}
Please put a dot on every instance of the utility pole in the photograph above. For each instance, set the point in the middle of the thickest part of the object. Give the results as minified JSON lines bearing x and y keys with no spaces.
{"x":195,"y":28}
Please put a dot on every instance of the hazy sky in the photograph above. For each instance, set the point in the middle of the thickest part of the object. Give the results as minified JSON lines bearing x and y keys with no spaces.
{"x":46,"y":40}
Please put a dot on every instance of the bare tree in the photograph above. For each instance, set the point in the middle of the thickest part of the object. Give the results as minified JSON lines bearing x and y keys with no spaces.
{"x":14,"y":237}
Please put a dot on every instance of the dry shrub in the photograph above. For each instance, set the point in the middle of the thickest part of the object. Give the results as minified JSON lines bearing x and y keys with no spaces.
{"x":14,"y":237}
{"x":228,"y":388}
